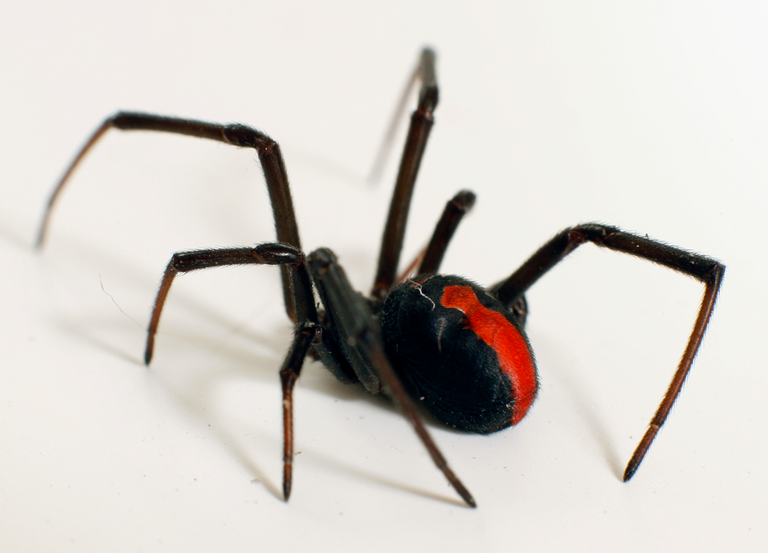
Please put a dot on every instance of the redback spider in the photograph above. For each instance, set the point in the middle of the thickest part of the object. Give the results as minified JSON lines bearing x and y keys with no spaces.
{"x":442,"y":341}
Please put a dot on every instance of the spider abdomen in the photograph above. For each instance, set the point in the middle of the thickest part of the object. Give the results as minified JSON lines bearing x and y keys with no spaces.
{"x":460,"y":352}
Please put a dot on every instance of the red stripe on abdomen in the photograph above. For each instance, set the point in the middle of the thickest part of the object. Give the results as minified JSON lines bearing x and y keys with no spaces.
{"x":497,"y":332}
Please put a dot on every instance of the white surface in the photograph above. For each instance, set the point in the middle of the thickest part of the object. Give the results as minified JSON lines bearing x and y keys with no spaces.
{"x":648,"y":115}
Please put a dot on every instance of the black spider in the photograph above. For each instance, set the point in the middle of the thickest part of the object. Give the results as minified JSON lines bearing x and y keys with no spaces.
{"x":442,"y":341}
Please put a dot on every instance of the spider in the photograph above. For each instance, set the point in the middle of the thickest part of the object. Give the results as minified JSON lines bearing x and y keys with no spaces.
{"x":441,"y":341}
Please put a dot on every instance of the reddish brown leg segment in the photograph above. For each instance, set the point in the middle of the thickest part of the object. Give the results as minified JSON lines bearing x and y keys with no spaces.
{"x":262,"y":254}
{"x":305,"y":334}
{"x":704,"y":269}
{"x":268,"y":150}
{"x":421,"y":124}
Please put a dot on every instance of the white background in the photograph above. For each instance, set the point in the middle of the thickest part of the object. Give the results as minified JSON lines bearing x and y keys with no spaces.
{"x":647,"y":115}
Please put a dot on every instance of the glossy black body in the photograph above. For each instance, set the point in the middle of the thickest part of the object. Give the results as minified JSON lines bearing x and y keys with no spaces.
{"x":444,"y":364}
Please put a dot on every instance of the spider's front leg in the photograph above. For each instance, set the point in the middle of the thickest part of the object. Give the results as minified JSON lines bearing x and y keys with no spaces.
{"x":308,"y":332}
{"x":261,"y":254}
{"x":306,"y":335}
{"x":706,"y":270}
{"x":272,"y":164}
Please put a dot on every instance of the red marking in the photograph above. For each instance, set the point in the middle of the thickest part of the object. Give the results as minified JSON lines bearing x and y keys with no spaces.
{"x":495,"y":330}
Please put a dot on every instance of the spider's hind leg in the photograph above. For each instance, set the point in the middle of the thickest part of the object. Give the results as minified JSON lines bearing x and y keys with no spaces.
{"x":418,"y":133}
{"x":706,"y":270}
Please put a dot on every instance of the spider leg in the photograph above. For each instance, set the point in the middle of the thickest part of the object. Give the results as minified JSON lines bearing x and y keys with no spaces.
{"x":305,"y":335}
{"x":410,"y":271}
{"x":308,"y":333}
{"x":421,"y":123}
{"x":389,"y":137}
{"x":430,"y":258}
{"x":454,"y":212}
{"x":360,"y":335}
{"x":272,"y":165}
{"x":704,"y":269}
{"x":262,"y":254}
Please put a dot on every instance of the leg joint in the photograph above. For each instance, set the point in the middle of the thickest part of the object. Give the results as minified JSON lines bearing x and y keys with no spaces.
{"x":246,"y":137}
